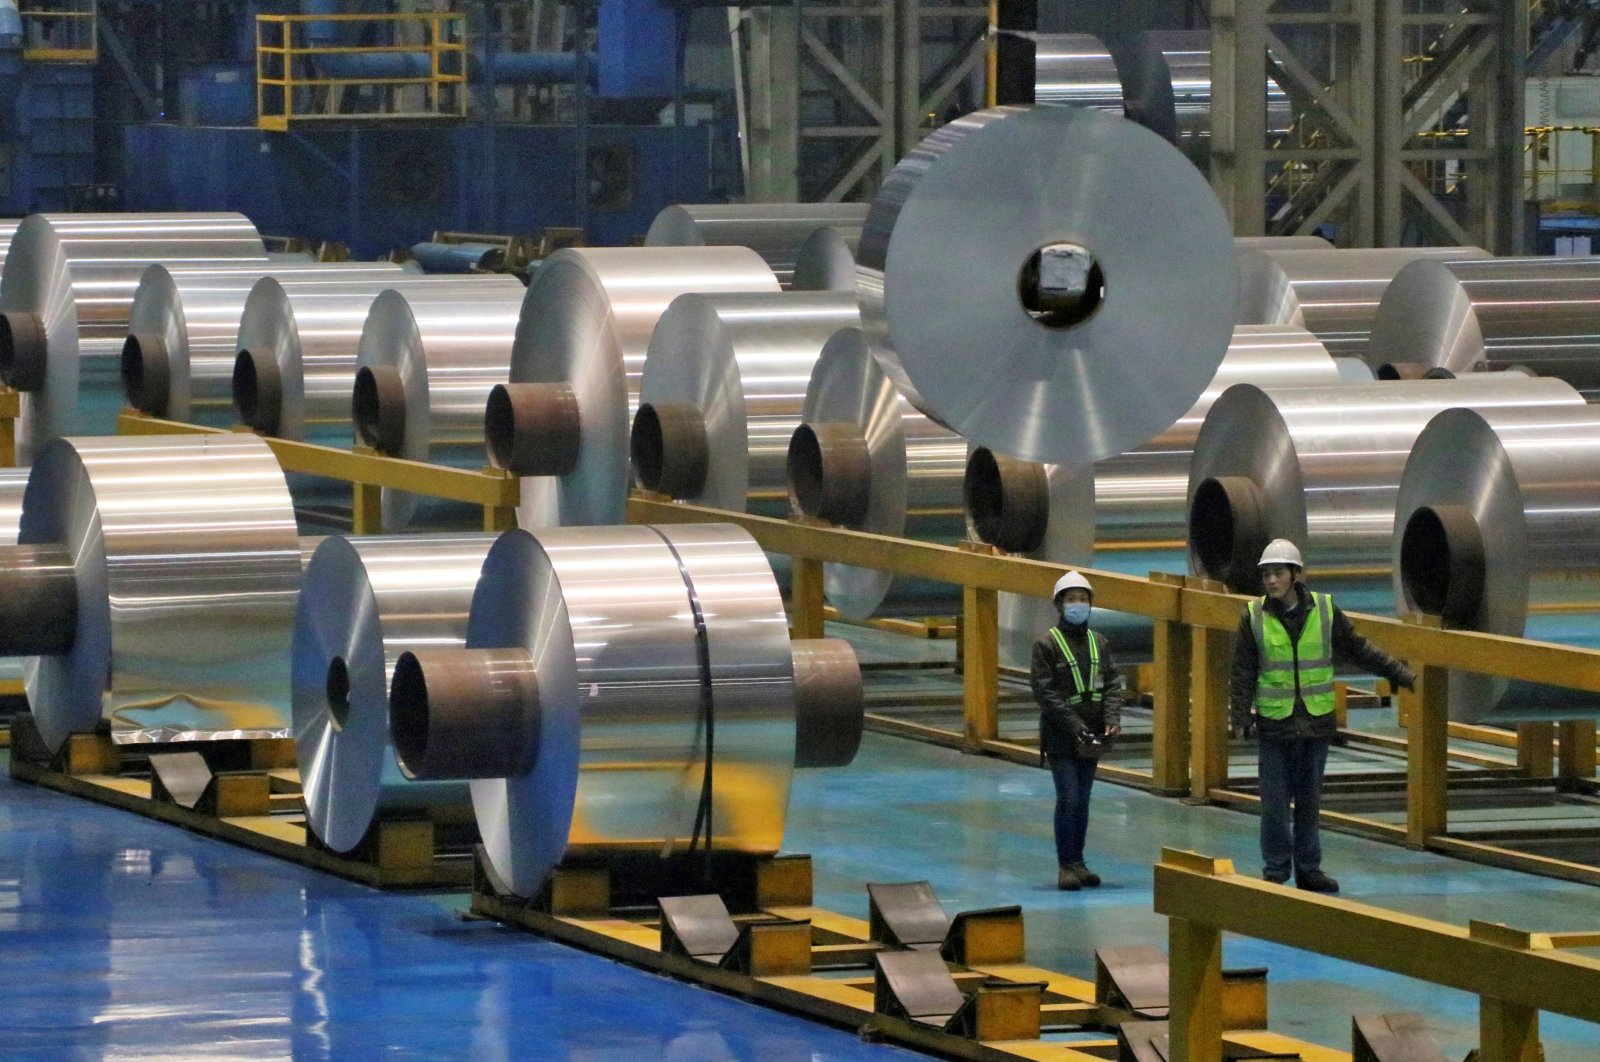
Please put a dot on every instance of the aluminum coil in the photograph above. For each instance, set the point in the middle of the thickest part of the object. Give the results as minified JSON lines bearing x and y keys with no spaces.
{"x":903,"y":475}
{"x":1537,"y":313}
{"x":363,"y":603}
{"x":585,"y":327}
{"x":13,"y":482}
{"x":1128,"y":323}
{"x":827,"y":261}
{"x":8,"y":232}
{"x":183,"y":332}
{"x":1496,"y":531}
{"x":775,"y":231}
{"x":723,"y":390}
{"x":186,"y":566}
{"x":426,"y":362}
{"x":66,"y":294}
{"x":1333,"y":294}
{"x":1321,"y":467}
{"x":1076,"y":69}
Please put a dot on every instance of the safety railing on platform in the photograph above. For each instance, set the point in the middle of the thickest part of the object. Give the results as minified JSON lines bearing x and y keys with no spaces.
{"x":60,"y":31}
{"x":1562,"y":166}
{"x":303,"y":80}
{"x":1514,"y":973}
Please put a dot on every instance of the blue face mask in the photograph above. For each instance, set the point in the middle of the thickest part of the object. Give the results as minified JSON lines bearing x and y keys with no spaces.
{"x":1076,"y":612}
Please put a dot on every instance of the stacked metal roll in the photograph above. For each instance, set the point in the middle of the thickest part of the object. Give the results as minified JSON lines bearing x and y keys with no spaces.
{"x":65,"y":297}
{"x":1539,"y":313}
{"x":723,"y":390}
{"x":1076,"y":69}
{"x":458,"y":257}
{"x":577,"y":363}
{"x":426,"y":362}
{"x":13,"y":483}
{"x":1087,"y":282}
{"x":1496,"y":531}
{"x":8,"y":232}
{"x":363,"y":603}
{"x":599,"y":664}
{"x":827,"y":261}
{"x":1321,"y":467}
{"x":775,"y":231}
{"x":866,"y":459}
{"x":154,"y":588}
{"x":183,"y":332}
{"x":1333,"y":293}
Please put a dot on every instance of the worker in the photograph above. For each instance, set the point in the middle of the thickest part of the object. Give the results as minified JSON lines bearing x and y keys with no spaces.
{"x":1079,"y":691}
{"x":1282,"y":690}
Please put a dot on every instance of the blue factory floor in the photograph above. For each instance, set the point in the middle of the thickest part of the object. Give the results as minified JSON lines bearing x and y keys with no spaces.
{"x":124,"y":938}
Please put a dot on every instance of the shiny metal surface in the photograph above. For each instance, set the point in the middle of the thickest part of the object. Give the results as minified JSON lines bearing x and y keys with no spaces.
{"x":192,"y":313}
{"x":1538,"y":313}
{"x":309,"y":330}
{"x":1521,"y":556}
{"x":940,"y":237}
{"x":363,"y":602}
{"x":1334,"y":293}
{"x":741,"y":363}
{"x":827,"y":261}
{"x":77,"y":273}
{"x":13,"y":484}
{"x":586,"y":323}
{"x":914,"y":472}
{"x":188,"y":566}
{"x":446,"y":350}
{"x":609,"y":619}
{"x":8,"y":231}
{"x":1322,"y":466}
{"x":775,"y":231}
{"x":1076,"y":69}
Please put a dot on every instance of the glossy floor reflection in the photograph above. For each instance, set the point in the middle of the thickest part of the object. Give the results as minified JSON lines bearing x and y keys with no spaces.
{"x":122,"y":938}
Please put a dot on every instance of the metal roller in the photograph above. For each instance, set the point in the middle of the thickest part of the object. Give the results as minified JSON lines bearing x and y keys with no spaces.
{"x":1333,"y":294}
{"x":158,"y":576}
{"x":1076,"y":69}
{"x":183,"y":333}
{"x":775,"y":231}
{"x":865,"y":459}
{"x":723,"y":390}
{"x":624,"y":690}
{"x":296,"y":363}
{"x":363,"y":603}
{"x":1076,"y":252}
{"x":426,"y":362}
{"x":1496,"y":531}
{"x":576,"y":367}
{"x":65,"y":298}
{"x":1533,"y":313}
{"x":827,"y":261}
{"x":1321,"y":467}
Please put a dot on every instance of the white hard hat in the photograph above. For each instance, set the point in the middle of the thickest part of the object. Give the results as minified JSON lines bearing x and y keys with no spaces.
{"x":1071,"y":581}
{"x":1281,"y":551}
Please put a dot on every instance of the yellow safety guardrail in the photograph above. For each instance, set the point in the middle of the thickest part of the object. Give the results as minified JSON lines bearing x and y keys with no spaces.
{"x":60,"y":31}
{"x":289,"y":85}
{"x":1546,"y":171}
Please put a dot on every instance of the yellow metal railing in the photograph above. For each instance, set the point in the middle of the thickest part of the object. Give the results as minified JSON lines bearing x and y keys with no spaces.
{"x":60,"y":31}
{"x":1557,"y":159}
{"x":291,"y":87}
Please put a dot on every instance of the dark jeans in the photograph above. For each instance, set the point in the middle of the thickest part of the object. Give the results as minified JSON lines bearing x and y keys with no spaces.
{"x":1291,"y":772}
{"x":1073,"y":778}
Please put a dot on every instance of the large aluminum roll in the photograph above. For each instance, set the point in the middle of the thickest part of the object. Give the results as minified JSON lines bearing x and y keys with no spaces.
{"x":1539,"y":313}
{"x":723,"y":390}
{"x":1282,"y":243}
{"x":866,"y":459}
{"x":586,"y":325}
{"x":1496,"y":531}
{"x":1043,"y":281}
{"x":1333,"y":294}
{"x":426,"y":362}
{"x":1076,"y":69}
{"x":13,"y":483}
{"x":183,"y":332}
{"x":298,"y":339}
{"x":827,"y":261}
{"x":775,"y":231}
{"x":1321,"y":467}
{"x":181,"y":564}
{"x":8,"y":231}
{"x":65,"y":298}
{"x":363,"y":603}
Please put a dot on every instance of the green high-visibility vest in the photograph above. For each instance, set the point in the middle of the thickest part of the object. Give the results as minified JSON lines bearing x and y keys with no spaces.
{"x":1306,"y":665}
{"x":1086,"y":690}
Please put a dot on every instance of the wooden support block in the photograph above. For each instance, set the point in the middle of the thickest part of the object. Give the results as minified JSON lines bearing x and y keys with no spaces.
{"x":784,"y":881}
{"x":1212,"y":662}
{"x":1536,"y":752}
{"x":578,"y":892}
{"x":805,"y":598}
{"x":775,"y":949}
{"x":1577,"y":759}
{"x":403,"y":844}
{"x":238,"y":794}
{"x":1427,"y":751}
{"x":1002,"y":1011}
{"x":1170,"y":695}
{"x":1341,"y":704}
{"x":980,"y":673}
{"x":1507,"y":1032}
{"x":366,"y":508}
{"x":499,"y":518}
{"x":90,"y":754}
{"x":987,"y":938}
{"x":1244,"y":999}
{"x":272,"y":754}
{"x":1195,"y":1018}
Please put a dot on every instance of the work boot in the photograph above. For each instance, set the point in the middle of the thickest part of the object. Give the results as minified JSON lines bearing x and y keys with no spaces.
{"x":1067,"y":880}
{"x":1316,"y":881}
{"x":1274,"y":877}
{"x":1085,"y":875}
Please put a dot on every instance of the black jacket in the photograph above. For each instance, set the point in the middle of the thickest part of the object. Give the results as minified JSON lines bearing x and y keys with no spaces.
{"x":1064,"y":713}
{"x":1348,"y":648}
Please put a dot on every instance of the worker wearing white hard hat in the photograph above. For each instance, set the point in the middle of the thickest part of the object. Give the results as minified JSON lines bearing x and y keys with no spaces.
{"x":1079,"y":691}
{"x":1283,"y":663}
